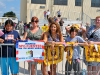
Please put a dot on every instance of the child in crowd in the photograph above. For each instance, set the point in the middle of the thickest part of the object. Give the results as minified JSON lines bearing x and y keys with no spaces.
{"x":81,"y":29}
{"x":8,"y":58}
{"x":76,"y":52}
{"x":1,"y":33}
{"x":1,"y":41}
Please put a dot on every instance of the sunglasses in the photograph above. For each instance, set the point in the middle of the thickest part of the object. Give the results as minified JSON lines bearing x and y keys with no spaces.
{"x":35,"y":21}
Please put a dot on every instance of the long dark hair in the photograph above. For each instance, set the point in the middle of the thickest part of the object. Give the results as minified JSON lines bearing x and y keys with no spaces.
{"x":73,"y":29}
{"x":9,"y":22}
{"x":58,"y":31}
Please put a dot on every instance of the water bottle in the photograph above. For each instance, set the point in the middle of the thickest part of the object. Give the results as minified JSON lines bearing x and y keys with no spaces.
{"x":83,"y":72}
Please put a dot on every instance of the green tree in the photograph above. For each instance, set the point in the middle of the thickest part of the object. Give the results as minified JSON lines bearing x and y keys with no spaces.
{"x":9,"y":14}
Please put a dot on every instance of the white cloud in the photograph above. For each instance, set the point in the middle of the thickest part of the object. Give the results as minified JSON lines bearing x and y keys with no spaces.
{"x":2,"y":5}
{"x":17,"y":14}
{"x":12,"y":8}
{"x":7,"y":0}
{"x":10,"y":0}
{"x":1,"y":12}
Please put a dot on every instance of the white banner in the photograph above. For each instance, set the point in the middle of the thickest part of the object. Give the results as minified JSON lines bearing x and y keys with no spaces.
{"x":29,"y":50}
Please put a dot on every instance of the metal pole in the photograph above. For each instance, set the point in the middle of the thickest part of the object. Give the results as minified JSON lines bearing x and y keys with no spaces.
{"x":52,"y":8}
{"x":82,"y":10}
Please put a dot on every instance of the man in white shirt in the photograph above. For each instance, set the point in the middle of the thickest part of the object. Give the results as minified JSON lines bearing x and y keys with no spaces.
{"x":59,"y":13}
{"x":48,"y":13}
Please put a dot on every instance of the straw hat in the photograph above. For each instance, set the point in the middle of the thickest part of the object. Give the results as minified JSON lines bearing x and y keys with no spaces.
{"x":76,"y":25}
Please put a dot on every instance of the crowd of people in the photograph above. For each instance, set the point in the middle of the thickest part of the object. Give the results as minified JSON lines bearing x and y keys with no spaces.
{"x":77,"y":33}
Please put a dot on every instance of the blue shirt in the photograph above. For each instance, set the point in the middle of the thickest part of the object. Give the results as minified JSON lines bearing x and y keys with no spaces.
{"x":53,"y":39}
{"x":8,"y":39}
{"x":76,"y":53}
{"x":96,"y":34}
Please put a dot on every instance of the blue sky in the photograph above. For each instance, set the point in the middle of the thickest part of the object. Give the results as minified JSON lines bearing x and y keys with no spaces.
{"x":10,"y":5}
